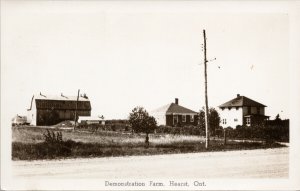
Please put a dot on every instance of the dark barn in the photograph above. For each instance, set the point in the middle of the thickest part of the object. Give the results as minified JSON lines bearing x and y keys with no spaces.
{"x":50,"y":110}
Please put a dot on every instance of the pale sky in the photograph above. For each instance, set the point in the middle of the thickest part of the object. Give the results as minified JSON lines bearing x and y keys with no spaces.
{"x":130,"y":54}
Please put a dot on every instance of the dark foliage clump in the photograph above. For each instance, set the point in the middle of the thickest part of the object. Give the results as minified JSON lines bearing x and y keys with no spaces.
{"x":267,"y":133}
{"x":185,"y":130}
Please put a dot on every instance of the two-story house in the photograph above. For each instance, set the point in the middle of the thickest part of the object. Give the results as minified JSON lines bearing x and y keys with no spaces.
{"x":242,"y":111}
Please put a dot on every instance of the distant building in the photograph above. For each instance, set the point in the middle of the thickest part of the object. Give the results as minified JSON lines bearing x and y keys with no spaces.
{"x":242,"y":111}
{"x":175,"y":115}
{"x":19,"y":120}
{"x":91,"y":120}
{"x":50,"y":110}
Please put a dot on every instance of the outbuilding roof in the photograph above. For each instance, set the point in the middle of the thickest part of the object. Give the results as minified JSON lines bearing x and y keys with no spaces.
{"x":241,"y":101}
{"x":173,"y":108}
{"x":90,"y":118}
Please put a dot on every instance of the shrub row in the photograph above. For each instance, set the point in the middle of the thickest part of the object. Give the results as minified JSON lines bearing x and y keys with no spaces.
{"x":271,"y":133}
{"x":186,"y":130}
{"x":121,"y":127}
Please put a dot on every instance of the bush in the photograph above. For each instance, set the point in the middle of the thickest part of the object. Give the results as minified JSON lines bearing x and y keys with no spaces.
{"x":186,"y":130}
{"x":111,"y":126}
{"x":51,"y":137}
{"x":54,"y":146}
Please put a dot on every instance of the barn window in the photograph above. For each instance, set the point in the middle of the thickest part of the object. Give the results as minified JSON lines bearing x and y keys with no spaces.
{"x":183,"y":118}
{"x":192,"y":118}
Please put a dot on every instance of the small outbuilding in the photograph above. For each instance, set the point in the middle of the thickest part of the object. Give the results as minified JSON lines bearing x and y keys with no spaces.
{"x":91,"y":120}
{"x":19,"y":120}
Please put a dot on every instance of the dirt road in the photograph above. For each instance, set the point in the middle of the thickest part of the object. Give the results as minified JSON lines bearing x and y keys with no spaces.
{"x":269,"y":163}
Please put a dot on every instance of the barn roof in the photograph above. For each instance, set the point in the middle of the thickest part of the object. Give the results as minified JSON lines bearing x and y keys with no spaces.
{"x":61,"y":97}
{"x":173,"y":108}
{"x":241,"y":101}
{"x":60,"y":102}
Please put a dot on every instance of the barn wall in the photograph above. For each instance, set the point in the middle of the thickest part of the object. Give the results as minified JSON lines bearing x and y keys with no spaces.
{"x":51,"y":112}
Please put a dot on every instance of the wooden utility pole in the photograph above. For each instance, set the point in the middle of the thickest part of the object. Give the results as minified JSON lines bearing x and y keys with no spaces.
{"x":75,"y":119}
{"x":206,"y":99}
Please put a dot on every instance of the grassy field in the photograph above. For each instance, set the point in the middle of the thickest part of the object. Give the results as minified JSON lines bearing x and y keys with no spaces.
{"x":29,"y":144}
{"x":35,"y":135}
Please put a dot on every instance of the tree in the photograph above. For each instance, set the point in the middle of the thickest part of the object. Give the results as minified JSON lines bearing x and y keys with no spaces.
{"x":214,"y":120}
{"x":277,"y":118}
{"x":142,"y":122}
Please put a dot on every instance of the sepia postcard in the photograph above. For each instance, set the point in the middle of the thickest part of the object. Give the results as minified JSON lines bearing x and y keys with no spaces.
{"x":150,"y":95}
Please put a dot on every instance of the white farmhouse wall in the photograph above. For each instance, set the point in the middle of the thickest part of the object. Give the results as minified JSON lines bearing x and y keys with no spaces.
{"x":233,"y":117}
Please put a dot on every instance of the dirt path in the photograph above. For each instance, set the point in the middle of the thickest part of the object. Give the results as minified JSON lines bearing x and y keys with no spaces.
{"x":268,"y":163}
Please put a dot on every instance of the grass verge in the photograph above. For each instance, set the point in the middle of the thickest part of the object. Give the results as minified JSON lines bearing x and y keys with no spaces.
{"x":72,"y":149}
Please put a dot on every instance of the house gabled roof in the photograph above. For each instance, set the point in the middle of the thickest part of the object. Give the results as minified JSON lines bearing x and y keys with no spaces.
{"x":173,"y":108}
{"x":241,"y":101}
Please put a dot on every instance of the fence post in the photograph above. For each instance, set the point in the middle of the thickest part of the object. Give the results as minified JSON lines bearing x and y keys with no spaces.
{"x":225,"y":136}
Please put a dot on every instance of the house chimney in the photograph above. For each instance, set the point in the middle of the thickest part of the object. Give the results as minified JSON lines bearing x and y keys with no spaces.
{"x":176,"y":101}
{"x":237,"y":95}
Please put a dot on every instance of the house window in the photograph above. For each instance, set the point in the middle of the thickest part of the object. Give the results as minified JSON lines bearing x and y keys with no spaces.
{"x":224,"y":121}
{"x":258,"y":110}
{"x":175,"y":119}
{"x":237,"y":108}
{"x":235,"y":120}
{"x":248,"y":121}
{"x":192,"y":118}
{"x":183,"y":118}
